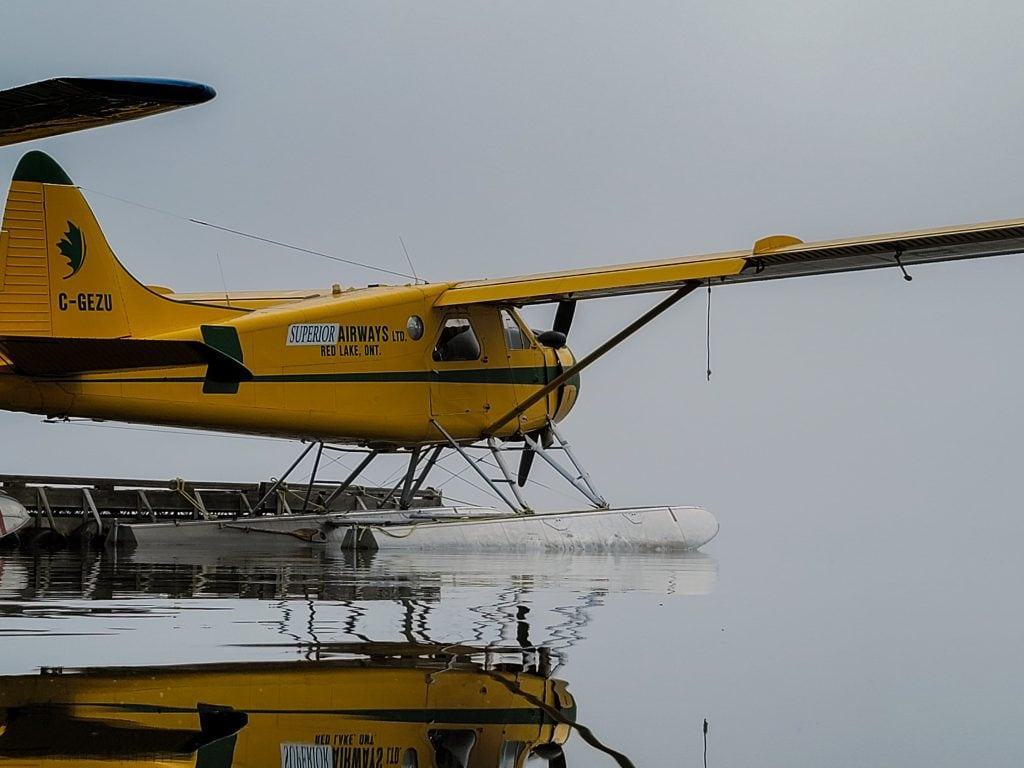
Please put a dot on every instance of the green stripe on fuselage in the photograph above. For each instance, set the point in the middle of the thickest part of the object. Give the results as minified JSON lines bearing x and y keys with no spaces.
{"x":531,"y":375}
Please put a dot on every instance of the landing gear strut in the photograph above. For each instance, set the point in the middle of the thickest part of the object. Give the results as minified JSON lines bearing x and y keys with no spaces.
{"x":577,"y":476}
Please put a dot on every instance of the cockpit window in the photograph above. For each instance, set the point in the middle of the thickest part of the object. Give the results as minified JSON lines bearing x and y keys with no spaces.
{"x":457,"y":341}
{"x":514,"y":337}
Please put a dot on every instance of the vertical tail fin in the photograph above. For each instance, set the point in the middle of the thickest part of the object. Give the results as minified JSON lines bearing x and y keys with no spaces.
{"x":58,"y":275}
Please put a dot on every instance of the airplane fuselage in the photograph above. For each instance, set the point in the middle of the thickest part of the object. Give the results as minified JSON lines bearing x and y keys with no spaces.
{"x":375,"y":365}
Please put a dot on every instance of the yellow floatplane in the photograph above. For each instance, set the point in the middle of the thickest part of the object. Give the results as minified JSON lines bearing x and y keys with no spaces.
{"x":414,"y":368}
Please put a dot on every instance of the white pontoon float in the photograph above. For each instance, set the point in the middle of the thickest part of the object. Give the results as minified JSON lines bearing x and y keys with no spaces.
{"x":442,"y":528}
{"x":271,"y":516}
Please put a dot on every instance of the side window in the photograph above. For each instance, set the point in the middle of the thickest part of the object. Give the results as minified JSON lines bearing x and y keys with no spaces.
{"x":514,"y":337}
{"x":457,"y":341}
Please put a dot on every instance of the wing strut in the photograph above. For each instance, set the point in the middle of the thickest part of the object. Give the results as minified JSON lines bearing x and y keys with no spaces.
{"x":679,"y":294}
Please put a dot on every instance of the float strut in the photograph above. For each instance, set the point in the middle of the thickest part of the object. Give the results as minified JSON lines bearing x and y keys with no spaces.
{"x":577,"y":482}
{"x":410,"y":478}
{"x":414,"y":460}
{"x":312,"y":477}
{"x":350,"y":479}
{"x":277,"y":483}
{"x":469,"y":459}
{"x":584,"y":475}
{"x":431,"y":460}
{"x":496,"y":451}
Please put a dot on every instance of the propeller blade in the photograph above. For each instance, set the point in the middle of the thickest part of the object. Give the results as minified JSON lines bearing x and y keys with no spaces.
{"x":552,"y":754}
{"x":563,"y":316}
{"x":525,"y":462}
{"x":547,"y":439}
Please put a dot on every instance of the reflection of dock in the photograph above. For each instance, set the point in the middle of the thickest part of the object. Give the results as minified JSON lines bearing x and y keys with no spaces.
{"x":102,"y":576}
{"x":359,"y":576}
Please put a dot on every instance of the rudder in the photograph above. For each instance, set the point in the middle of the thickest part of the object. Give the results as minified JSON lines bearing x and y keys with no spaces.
{"x":24,"y":272}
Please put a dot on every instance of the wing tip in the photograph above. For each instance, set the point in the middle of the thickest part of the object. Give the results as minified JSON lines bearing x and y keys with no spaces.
{"x":161,"y":89}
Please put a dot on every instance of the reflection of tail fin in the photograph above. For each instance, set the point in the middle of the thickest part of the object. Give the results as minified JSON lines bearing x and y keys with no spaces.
{"x":58,"y":275}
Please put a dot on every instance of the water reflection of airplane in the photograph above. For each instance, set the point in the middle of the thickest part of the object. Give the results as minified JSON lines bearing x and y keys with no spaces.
{"x":394,"y":706}
{"x":310,"y":604}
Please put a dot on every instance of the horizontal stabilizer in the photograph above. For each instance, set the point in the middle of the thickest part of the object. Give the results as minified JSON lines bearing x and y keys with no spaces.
{"x":68,"y":104}
{"x":54,"y":356}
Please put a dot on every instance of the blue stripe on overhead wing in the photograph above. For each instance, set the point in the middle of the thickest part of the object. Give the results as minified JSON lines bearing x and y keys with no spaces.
{"x":158,"y":89}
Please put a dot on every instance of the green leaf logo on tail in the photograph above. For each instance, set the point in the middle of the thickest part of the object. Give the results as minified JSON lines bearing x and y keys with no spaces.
{"x":72,"y":248}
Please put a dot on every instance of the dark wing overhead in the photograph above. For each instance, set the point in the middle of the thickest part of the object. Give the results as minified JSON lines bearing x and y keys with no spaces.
{"x":770,"y":258}
{"x":67,"y":104}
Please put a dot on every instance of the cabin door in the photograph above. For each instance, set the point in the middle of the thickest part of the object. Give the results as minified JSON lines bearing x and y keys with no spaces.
{"x":465,"y":356}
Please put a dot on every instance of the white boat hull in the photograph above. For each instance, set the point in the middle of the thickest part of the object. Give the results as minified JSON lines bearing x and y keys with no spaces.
{"x":13,"y":516}
{"x":600,"y":530}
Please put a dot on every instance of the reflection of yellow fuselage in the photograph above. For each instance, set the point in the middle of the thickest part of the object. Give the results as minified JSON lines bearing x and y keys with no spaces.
{"x":335,"y":713}
{"x":368,"y":381}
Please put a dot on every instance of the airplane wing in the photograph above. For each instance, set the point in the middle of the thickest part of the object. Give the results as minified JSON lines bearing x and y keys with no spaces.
{"x":67,"y":104}
{"x":771,"y":258}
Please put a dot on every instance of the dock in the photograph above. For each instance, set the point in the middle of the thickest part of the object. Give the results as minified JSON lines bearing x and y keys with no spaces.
{"x":88,"y":509}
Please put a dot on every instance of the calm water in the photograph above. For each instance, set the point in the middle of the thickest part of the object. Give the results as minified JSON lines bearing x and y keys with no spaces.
{"x":792,"y":663}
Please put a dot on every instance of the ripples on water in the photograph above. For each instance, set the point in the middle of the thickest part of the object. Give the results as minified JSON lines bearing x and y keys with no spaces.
{"x":394,"y":659}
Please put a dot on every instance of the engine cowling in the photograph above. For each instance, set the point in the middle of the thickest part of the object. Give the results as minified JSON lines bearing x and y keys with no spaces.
{"x":567,"y":394}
